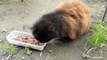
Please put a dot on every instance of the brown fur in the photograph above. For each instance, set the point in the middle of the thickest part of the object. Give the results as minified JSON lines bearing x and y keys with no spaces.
{"x":77,"y":18}
{"x":70,"y":20}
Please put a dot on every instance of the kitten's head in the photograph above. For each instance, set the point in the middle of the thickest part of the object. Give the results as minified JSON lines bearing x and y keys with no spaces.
{"x":47,"y":28}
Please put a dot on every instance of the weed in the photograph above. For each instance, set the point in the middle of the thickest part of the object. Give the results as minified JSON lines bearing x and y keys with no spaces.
{"x":99,"y":34}
{"x":27,"y":51}
{"x":98,"y":38}
{"x":10,"y":49}
{"x":96,"y":26}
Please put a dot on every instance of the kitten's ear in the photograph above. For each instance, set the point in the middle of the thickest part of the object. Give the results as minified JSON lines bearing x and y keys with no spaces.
{"x":51,"y":28}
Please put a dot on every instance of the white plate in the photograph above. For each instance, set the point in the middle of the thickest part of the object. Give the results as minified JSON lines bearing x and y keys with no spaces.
{"x":11,"y":38}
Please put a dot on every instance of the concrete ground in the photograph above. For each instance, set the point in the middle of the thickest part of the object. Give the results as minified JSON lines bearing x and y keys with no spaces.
{"x":17,"y":15}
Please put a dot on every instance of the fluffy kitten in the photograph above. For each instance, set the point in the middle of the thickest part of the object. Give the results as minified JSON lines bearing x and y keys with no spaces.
{"x":70,"y":20}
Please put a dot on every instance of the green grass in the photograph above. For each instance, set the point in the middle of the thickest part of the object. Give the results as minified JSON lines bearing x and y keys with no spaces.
{"x":97,"y":26}
{"x":98,"y":38}
{"x":99,"y":34}
{"x":10,"y":49}
{"x":27,"y":51}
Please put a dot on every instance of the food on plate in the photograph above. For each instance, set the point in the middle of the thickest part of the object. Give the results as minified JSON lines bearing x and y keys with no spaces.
{"x":29,"y":40}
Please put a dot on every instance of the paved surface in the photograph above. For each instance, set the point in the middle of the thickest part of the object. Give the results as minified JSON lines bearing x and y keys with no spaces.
{"x":16,"y":15}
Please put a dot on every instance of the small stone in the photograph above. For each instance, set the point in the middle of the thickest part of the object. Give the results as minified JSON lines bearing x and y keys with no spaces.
{"x":86,"y":56}
{"x":50,"y":51}
{"x":3,"y":30}
{"x":102,"y":45}
{"x":41,"y":54}
{"x":1,"y":41}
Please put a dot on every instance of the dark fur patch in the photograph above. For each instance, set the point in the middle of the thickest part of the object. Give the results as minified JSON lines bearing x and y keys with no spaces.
{"x":70,"y":20}
{"x":54,"y":19}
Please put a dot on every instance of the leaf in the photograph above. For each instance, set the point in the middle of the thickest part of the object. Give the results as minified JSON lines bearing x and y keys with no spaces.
{"x":22,"y":58}
{"x":28,"y":51}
